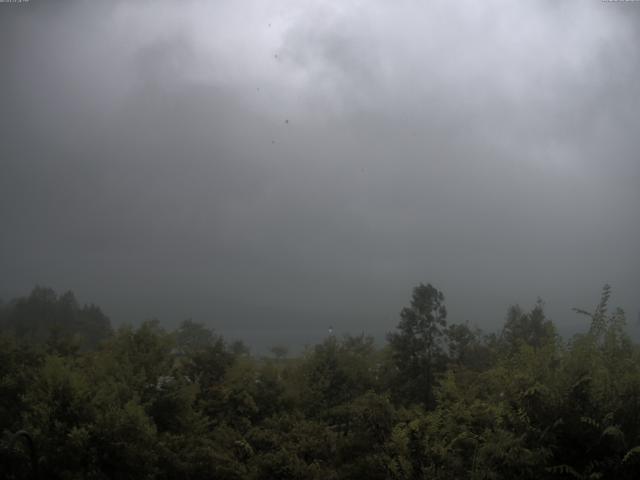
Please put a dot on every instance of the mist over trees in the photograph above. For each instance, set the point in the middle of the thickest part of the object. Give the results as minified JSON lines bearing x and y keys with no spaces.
{"x":46,"y":316}
{"x":438,"y":400}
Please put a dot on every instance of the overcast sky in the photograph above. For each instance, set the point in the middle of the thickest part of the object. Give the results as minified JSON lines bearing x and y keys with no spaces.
{"x":271,"y":168}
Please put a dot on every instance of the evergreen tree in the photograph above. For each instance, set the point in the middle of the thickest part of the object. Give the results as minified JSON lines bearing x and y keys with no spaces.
{"x":417,"y":346}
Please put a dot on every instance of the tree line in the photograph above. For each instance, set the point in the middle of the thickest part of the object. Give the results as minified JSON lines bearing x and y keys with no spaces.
{"x":438,"y":400}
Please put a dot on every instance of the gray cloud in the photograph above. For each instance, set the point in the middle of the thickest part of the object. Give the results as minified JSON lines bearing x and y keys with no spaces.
{"x":273,"y":168}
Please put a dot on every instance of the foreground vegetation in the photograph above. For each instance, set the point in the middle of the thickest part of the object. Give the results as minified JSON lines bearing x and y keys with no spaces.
{"x":437,"y":401}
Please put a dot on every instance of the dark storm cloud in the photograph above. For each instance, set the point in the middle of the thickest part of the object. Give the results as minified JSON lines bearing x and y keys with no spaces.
{"x":275,"y":168}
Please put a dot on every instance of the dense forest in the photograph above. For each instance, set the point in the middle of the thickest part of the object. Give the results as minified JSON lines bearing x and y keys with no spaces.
{"x":437,"y":401}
